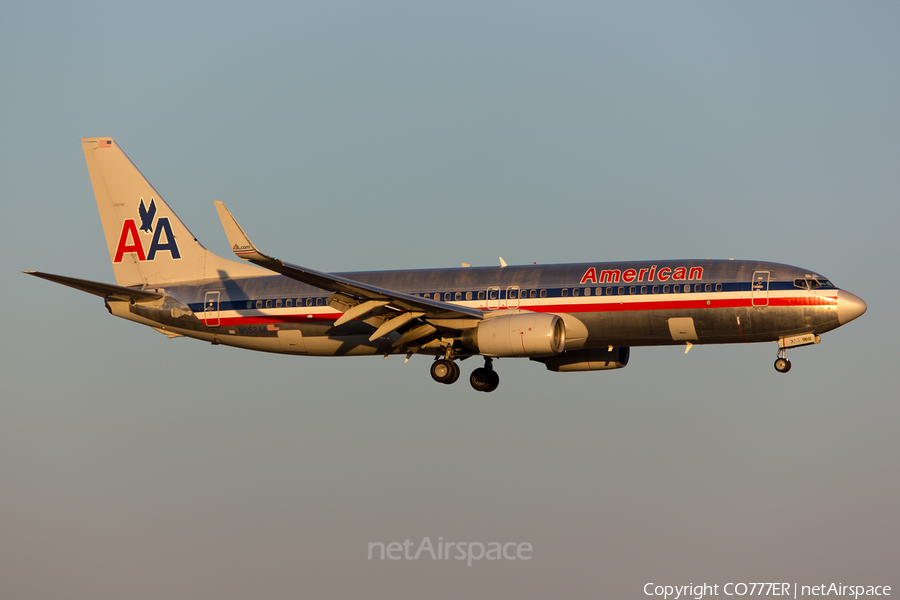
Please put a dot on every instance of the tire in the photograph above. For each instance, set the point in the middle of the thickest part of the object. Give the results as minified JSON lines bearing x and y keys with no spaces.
{"x":444,"y":371}
{"x":455,"y":374}
{"x":481,"y":379}
{"x":782,"y":365}
{"x":495,"y":381}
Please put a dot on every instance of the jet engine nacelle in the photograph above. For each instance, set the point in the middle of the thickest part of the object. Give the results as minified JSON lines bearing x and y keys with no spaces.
{"x":590,"y":359}
{"x":523,"y":334}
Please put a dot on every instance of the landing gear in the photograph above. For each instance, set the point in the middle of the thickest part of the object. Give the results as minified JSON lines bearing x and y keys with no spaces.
{"x":444,"y":370}
{"x":485,"y":379}
{"x":782,"y":364}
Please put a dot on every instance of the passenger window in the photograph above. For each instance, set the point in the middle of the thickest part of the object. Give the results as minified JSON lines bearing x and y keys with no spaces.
{"x":494,"y":293}
{"x":309,"y":302}
{"x":426,"y":296}
{"x":565,"y":292}
{"x":268,"y":304}
{"x":458,"y":295}
{"x":533,"y":293}
{"x":643,"y":289}
{"x":655,"y":289}
{"x":447,"y":296}
{"x":468,"y":295}
{"x":250,"y":304}
{"x":609,"y":291}
{"x":621,"y":291}
{"x":718,"y":287}
{"x":676,"y":289}
{"x":587,"y":291}
{"x":278,"y":303}
{"x":697,"y":287}
{"x":632,"y":289}
{"x":665,"y":289}
{"x":575,"y":291}
{"x":481,"y":295}
{"x":319,"y":302}
{"x":543,"y":293}
{"x":289,"y":302}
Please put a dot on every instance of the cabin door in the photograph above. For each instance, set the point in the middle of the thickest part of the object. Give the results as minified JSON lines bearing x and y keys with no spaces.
{"x":759,"y":289}
{"x":211,"y":309}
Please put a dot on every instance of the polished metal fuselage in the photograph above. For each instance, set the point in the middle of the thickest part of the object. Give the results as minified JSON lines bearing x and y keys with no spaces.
{"x":602,"y":304}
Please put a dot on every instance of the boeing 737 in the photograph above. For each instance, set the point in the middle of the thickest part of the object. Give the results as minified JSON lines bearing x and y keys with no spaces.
{"x":570,"y":317}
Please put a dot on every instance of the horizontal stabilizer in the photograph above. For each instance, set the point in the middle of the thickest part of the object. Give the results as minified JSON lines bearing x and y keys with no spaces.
{"x":104,"y":290}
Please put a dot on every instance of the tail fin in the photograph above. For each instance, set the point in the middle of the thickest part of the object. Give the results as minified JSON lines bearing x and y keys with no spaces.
{"x":148,"y":244}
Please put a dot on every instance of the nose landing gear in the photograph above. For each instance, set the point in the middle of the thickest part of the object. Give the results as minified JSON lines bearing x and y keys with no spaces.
{"x":782,"y":364}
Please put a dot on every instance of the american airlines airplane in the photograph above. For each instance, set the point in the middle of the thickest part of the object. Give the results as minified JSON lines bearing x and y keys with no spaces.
{"x":571,"y":317}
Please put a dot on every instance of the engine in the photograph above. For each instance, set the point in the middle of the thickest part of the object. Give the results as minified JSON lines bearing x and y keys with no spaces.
{"x":590,"y":359}
{"x":524,"y":334}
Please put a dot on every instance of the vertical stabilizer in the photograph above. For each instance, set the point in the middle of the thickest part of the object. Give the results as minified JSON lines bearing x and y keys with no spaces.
{"x":148,"y":244}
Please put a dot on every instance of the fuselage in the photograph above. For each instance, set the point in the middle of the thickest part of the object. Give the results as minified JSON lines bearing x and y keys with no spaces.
{"x":645,"y":303}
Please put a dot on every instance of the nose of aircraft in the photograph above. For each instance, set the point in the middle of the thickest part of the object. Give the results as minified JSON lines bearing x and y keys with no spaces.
{"x":849,"y":307}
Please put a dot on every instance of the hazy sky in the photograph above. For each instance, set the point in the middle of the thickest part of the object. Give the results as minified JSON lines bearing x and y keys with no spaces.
{"x":350,"y":136}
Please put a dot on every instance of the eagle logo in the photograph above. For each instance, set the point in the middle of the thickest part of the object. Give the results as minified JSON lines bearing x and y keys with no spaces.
{"x":147,"y":215}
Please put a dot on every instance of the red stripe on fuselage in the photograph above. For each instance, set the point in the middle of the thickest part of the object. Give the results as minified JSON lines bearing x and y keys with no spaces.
{"x":670,"y":303}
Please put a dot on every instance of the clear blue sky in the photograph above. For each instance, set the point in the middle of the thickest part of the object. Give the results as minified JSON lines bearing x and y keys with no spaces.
{"x":351,"y":136}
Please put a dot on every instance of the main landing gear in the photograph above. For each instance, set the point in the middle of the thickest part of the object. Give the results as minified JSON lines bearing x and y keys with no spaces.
{"x":782,"y":364}
{"x":444,"y":370}
{"x":483,"y":379}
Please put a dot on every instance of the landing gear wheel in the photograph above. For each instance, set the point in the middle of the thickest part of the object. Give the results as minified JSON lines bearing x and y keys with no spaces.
{"x":495,"y":381}
{"x":782,"y":365}
{"x":484,"y":379}
{"x":455,"y":373}
{"x":481,"y":379}
{"x":444,"y":371}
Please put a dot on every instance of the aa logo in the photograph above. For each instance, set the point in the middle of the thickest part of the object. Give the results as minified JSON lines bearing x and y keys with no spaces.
{"x":132,"y":242}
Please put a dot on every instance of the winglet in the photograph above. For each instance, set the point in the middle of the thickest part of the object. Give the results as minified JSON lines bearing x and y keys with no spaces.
{"x":240,"y":243}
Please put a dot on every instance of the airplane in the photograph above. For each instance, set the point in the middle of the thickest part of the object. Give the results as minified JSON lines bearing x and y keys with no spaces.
{"x":569,"y":317}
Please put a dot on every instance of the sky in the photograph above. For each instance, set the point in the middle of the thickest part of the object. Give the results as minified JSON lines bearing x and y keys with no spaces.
{"x":396,"y":135}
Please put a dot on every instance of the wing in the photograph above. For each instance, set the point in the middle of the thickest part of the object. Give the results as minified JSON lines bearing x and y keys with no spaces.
{"x":356,"y":298}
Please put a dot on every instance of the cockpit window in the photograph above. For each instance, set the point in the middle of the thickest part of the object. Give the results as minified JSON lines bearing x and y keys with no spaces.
{"x":811,"y":283}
